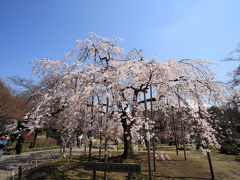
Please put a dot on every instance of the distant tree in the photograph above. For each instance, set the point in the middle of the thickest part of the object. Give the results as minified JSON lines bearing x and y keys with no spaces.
{"x":28,"y":86}
{"x":12,"y":106}
{"x":231,"y":109}
{"x":232,"y":114}
{"x":235,"y":56}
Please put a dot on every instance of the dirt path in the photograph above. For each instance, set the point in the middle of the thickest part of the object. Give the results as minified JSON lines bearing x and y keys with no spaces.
{"x":8,"y":163}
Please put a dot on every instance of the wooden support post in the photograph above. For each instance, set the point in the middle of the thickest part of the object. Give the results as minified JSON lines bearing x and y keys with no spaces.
{"x":106,"y":139}
{"x":90,"y":151}
{"x":105,"y":149}
{"x":100,"y":147}
{"x":183,"y":141}
{"x":154,"y":156}
{"x":210,"y":165}
{"x":85,"y":149}
{"x":100,"y":142}
{"x":70,"y":151}
{"x":6,"y":154}
{"x":20,"y":171}
{"x":61,"y":150}
{"x":12,"y":175}
{"x":90,"y":133}
{"x":148,"y":140}
{"x":94,"y":175}
{"x":174,"y":131}
{"x":105,"y":158}
{"x":184,"y":149}
{"x":149,"y":161}
{"x":182,"y":129}
{"x":129,"y":176}
{"x":117,"y":146}
{"x":64,"y":150}
{"x":153,"y":139}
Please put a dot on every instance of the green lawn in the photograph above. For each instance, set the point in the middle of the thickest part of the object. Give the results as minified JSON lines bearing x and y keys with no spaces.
{"x":42,"y":143}
{"x":226,"y":167}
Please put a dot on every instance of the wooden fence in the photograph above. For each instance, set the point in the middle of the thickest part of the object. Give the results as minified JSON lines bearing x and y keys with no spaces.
{"x":21,"y":170}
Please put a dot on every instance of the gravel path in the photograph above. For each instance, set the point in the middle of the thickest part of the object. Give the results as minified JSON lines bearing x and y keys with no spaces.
{"x":8,"y":163}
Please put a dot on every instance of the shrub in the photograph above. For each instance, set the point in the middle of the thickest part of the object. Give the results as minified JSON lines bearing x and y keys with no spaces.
{"x":230,"y":148}
{"x":55,"y":135}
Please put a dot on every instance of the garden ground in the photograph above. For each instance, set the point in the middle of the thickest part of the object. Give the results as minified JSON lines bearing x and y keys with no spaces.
{"x":10,"y":163}
{"x":226,"y":167}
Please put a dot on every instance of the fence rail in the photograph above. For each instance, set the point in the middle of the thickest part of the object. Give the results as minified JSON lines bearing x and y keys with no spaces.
{"x":21,"y":170}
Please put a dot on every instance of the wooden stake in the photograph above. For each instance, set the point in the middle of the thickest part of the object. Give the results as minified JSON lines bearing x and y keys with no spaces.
{"x":148,"y":141}
{"x":100,"y":143}
{"x":129,"y":176}
{"x":105,"y":157}
{"x":174,"y":130}
{"x":85,"y":149}
{"x":154,"y":154}
{"x":182,"y":131}
{"x":210,"y":165}
{"x":106,"y":141}
{"x":94,"y":175}
{"x":183,"y":139}
{"x":70,"y":151}
{"x":90,"y":150}
{"x":20,"y":171}
{"x":117,"y":146}
{"x":90,"y":141}
{"x":100,"y":147}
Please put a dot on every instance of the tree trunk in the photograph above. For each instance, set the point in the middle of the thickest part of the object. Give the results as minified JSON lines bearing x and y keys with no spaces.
{"x":127,"y":140}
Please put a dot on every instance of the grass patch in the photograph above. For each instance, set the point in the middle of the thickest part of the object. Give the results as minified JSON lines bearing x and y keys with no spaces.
{"x":42,"y":143}
{"x":196,"y":167}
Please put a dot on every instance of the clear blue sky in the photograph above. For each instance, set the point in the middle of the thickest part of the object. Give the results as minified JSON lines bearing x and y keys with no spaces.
{"x":200,"y":29}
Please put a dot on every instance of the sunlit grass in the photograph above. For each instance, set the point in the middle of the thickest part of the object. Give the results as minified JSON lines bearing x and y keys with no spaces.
{"x":196,"y":167}
{"x":41,"y":144}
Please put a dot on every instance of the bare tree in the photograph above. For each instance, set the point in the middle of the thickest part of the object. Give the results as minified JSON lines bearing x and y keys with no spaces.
{"x":12,"y":105}
{"x":235,"y":56}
